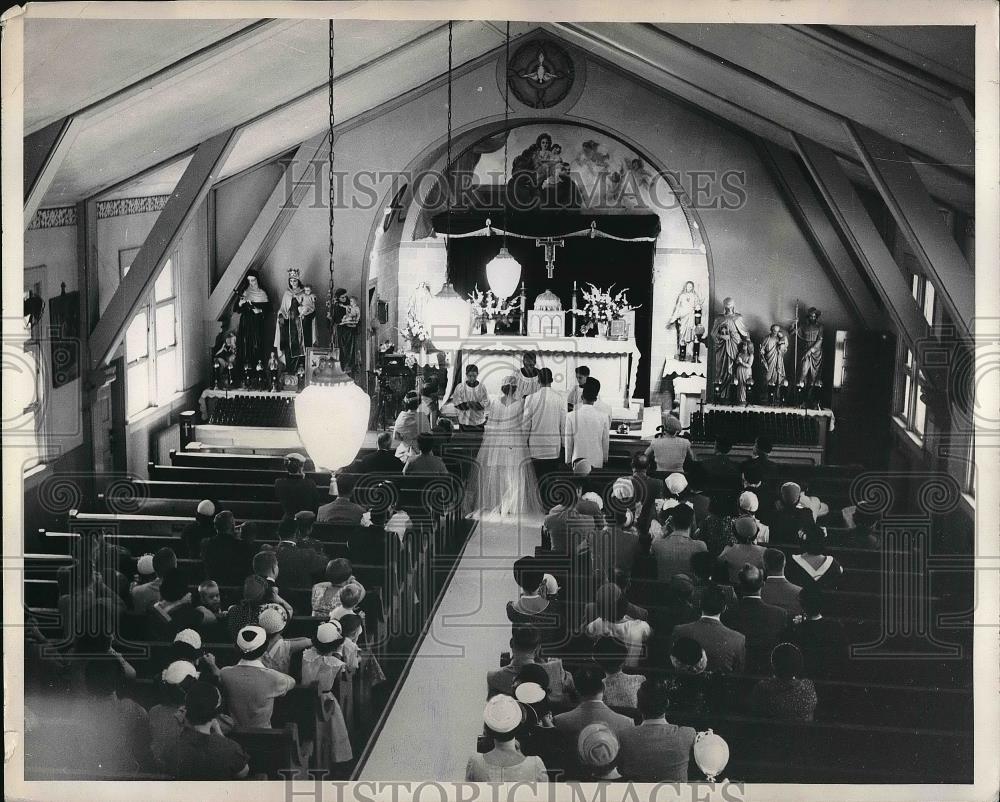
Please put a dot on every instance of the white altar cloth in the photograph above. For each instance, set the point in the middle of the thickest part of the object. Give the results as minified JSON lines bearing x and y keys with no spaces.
{"x":612,"y":362}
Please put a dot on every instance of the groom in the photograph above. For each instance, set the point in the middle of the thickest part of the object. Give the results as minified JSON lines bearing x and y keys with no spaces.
{"x":544,"y":420}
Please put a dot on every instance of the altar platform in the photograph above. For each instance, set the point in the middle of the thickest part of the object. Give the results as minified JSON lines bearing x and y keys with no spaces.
{"x":612,"y":362}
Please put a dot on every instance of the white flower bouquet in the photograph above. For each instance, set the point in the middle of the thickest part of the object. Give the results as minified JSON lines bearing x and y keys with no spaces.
{"x":487,"y":306}
{"x":600,"y":306}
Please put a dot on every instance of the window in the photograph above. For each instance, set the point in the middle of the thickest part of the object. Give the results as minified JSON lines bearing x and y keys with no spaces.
{"x":925,"y":296}
{"x":152,"y":352}
{"x":910,"y":407}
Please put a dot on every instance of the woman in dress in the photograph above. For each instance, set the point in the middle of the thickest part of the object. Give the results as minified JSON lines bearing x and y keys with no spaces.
{"x":253,"y":306}
{"x":288,"y":329}
{"x":502,"y":479}
{"x":813,"y":567}
{"x":786,"y":695}
{"x":346,"y":317}
{"x":321,"y":666}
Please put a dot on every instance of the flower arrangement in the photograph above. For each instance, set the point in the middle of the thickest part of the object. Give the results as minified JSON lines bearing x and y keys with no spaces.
{"x":487,"y":306}
{"x":414,"y":330}
{"x":411,"y":359}
{"x":600,"y":306}
{"x":387,"y":347}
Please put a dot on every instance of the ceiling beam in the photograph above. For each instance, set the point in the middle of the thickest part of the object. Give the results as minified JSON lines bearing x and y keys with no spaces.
{"x":301,"y":174}
{"x":786,"y":169}
{"x":647,"y":55}
{"x":44,"y":152}
{"x":918,"y":218}
{"x":135,"y":287}
{"x":859,"y":231}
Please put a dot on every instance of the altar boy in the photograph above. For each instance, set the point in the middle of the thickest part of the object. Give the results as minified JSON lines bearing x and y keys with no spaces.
{"x":470,"y":400}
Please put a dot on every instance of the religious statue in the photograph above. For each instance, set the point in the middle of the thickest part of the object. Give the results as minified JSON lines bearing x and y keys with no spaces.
{"x":274,"y":371}
{"x":288,"y":329}
{"x":743,"y":373}
{"x":810,"y":335}
{"x":772,"y":355}
{"x":728,"y":332}
{"x":223,"y":359}
{"x":686,"y":319}
{"x":346,"y":315}
{"x":253,"y":306}
{"x":308,"y":311}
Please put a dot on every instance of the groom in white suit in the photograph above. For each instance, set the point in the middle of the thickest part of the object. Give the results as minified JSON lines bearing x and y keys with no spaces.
{"x":588,"y":429}
{"x":544,"y":424}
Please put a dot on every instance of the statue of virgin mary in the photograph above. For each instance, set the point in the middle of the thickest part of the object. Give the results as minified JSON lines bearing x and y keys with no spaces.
{"x":288,"y":337}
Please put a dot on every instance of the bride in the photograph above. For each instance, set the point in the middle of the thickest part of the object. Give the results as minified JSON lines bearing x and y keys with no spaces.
{"x":502,"y":479}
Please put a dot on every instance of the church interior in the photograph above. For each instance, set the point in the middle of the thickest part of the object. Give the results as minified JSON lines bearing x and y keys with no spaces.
{"x":260,"y":258}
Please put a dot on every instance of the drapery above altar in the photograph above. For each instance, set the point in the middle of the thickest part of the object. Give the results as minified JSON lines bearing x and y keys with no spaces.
{"x":537,"y":223}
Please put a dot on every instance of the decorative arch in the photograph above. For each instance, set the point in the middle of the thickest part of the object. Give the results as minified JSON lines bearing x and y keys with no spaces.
{"x":432,"y":161}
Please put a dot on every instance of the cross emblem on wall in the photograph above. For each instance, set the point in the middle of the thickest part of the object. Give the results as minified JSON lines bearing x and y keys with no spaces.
{"x":550,"y":246}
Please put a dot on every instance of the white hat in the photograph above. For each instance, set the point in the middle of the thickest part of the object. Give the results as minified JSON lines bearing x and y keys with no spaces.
{"x":529,"y":693}
{"x":623,"y":489}
{"x":190,"y":637}
{"x":206,"y":507}
{"x":581,"y":467}
{"x":250,"y":638}
{"x":178,"y":671}
{"x":677,"y":483}
{"x":295,"y":455}
{"x":711,"y":753}
{"x":145,"y":565}
{"x":749,"y":501}
{"x":551,"y":585}
{"x":503,"y":713}
{"x":597,"y":745}
{"x":811,"y":503}
{"x":329,"y":631}
{"x":272,"y":618}
{"x":592,"y":496}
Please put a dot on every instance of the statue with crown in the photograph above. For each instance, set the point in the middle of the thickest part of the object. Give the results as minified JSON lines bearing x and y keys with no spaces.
{"x":289,"y":339}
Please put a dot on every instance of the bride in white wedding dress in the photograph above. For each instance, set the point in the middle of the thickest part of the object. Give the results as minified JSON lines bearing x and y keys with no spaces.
{"x":502,"y":481}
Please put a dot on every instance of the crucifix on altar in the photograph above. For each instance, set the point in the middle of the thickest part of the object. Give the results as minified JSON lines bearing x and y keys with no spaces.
{"x":550,"y":246}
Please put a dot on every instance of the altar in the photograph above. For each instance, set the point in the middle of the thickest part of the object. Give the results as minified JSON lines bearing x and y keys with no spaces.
{"x":612,"y":362}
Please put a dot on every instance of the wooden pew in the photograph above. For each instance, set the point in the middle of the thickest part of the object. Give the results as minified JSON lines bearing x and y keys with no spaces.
{"x":256,"y":476}
{"x":271,"y":751}
{"x":264,"y":510}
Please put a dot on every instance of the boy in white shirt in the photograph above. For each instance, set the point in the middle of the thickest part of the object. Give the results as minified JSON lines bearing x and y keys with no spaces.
{"x":470,"y":399}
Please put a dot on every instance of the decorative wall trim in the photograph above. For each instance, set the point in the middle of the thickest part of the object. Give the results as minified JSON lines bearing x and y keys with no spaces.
{"x":126,"y":206}
{"x":66,"y":215}
{"x":53,"y":218}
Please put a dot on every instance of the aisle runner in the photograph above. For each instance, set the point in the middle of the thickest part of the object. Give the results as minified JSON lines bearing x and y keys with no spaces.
{"x":432,"y":728}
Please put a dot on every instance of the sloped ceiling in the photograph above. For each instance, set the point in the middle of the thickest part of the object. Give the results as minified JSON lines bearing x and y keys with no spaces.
{"x":178,"y":83}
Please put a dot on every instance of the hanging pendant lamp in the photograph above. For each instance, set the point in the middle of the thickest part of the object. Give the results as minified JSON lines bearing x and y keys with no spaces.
{"x":332,"y":413}
{"x":504,"y":271}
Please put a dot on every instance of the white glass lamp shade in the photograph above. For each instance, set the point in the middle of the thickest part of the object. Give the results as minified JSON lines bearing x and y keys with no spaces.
{"x":332,"y":421}
{"x":448,"y":316}
{"x":503,"y":273}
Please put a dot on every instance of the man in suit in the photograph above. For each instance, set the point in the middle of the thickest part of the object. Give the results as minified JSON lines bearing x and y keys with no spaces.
{"x":382,"y":460}
{"x":761,"y":476}
{"x":777,"y":589}
{"x":762,"y":623}
{"x":544,"y":420}
{"x":719,"y":471}
{"x":615,"y":547}
{"x":673,"y":553}
{"x":301,"y":560}
{"x":647,"y":490}
{"x":789,"y":515}
{"x":342,"y":510}
{"x":426,"y":461}
{"x":296,"y":491}
{"x":656,"y":750}
{"x":226,"y":558}
{"x":587,"y":430}
{"x":724,"y":647}
{"x":589,"y":682}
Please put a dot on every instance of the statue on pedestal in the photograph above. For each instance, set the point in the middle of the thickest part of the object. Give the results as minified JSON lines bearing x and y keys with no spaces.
{"x":810,"y":334}
{"x":743,"y":373}
{"x":686,"y":319}
{"x":772,"y":356}
{"x":288,"y":329}
{"x":728,"y":333}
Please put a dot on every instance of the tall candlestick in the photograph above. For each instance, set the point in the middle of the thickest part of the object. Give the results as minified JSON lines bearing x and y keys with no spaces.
{"x":572,"y":316}
{"x":524,"y":314}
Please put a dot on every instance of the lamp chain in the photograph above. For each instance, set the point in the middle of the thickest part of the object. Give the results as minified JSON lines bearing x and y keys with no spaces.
{"x":506,"y":129}
{"x":330,"y":299}
{"x":447,"y":167}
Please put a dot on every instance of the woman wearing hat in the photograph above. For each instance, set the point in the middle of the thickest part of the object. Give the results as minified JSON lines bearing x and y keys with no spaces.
{"x":813,"y":567}
{"x":503,"y":481}
{"x":612,"y":621}
{"x":273,"y":619}
{"x":538,"y":735}
{"x":407,"y":427}
{"x":503,"y":717}
{"x":669,"y":450}
{"x":322,"y":666}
